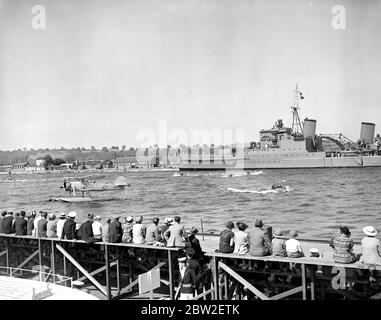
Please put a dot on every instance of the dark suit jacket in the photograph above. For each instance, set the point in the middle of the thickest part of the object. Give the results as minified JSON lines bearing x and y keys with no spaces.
{"x":29,"y":226}
{"x":7,"y":225}
{"x":68,"y":231}
{"x":85,"y":231}
{"x":115,"y":232}
{"x":42,"y":227}
{"x":1,"y":224}
{"x":20,"y":226}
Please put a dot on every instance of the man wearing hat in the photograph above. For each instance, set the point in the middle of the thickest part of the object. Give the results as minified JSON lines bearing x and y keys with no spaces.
{"x":175,"y":234}
{"x":97,"y":228}
{"x":115,"y":231}
{"x":8,"y":223}
{"x":3,"y":214}
{"x":35,"y":223}
{"x":85,"y":231}
{"x":188,"y":279}
{"x":370,"y":247}
{"x":106,"y":230}
{"x":152,"y":232}
{"x":51,"y":227}
{"x":60,"y":224}
{"x":259,"y":241}
{"x":69,"y":227}
{"x":20,"y":224}
{"x":226,"y":244}
{"x":30,"y":223}
{"x":139,"y":231}
{"x":42,"y":225}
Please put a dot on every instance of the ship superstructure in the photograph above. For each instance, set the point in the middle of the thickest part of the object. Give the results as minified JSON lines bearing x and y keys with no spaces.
{"x":295,"y":147}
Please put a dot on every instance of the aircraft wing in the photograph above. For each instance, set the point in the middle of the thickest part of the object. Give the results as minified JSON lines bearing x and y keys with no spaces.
{"x":88,"y":177}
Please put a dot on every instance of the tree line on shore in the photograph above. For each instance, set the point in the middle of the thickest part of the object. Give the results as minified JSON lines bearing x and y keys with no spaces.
{"x":65,"y":155}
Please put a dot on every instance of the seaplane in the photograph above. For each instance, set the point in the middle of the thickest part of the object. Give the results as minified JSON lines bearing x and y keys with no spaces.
{"x":80,"y":189}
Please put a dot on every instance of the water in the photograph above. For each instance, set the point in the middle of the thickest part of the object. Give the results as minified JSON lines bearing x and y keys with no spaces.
{"x":317,"y":201}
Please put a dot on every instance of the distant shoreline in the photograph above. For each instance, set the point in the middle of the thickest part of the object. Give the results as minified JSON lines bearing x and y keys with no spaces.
{"x":90,"y":171}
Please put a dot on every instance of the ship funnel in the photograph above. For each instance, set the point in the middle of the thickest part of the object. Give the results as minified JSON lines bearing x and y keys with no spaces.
{"x":309,"y":128}
{"x":367,"y":132}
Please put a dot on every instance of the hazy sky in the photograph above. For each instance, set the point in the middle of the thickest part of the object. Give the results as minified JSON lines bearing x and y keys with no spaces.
{"x":102,"y":71}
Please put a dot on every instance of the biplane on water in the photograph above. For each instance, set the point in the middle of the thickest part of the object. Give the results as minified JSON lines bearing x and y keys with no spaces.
{"x":80,"y":189}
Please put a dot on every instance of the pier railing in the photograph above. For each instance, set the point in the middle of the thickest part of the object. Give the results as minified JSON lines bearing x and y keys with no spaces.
{"x":113,"y":270}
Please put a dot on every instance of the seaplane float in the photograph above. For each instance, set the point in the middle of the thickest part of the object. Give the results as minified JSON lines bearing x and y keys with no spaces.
{"x":80,"y":189}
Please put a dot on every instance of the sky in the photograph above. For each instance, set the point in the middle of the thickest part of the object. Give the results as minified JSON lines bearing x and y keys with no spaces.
{"x":113,"y":72}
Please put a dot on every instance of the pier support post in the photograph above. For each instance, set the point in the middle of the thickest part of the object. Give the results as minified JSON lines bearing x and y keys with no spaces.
{"x":312,"y":283}
{"x":53,"y":258}
{"x":226,"y":287}
{"x":108,"y":285}
{"x":40,"y":257}
{"x":64,"y":265}
{"x":170,"y":275}
{"x":304,"y":282}
{"x":7,"y":256}
{"x":215,"y":278}
{"x":117,"y":271}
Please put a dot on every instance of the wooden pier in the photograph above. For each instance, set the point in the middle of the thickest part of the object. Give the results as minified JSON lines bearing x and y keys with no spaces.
{"x":112,"y":270}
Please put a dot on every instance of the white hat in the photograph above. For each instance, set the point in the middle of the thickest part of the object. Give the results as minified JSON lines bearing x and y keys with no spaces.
{"x":129,"y":219}
{"x":369,"y":231}
{"x":97,"y":218}
{"x":168,"y":220}
{"x":72,"y":214}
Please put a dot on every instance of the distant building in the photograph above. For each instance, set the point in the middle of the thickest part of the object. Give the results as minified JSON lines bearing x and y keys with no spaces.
{"x":33,"y":168}
{"x":91,"y":164}
{"x":20,"y":166}
{"x":95,"y":164}
{"x":6,"y":168}
{"x":40,"y":162}
{"x":67,"y":165}
{"x":125,"y":162}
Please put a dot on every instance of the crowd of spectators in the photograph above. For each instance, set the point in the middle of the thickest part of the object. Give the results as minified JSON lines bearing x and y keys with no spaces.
{"x":257,"y":242}
{"x":171,"y":233}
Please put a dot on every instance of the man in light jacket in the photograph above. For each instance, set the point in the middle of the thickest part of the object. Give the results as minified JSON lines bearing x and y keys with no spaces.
{"x":175,"y":234}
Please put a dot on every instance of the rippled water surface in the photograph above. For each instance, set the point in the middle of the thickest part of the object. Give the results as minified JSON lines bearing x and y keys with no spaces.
{"x":317,"y":201}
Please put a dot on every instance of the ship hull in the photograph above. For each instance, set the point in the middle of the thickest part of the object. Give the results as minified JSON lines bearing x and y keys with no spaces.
{"x":310,"y":161}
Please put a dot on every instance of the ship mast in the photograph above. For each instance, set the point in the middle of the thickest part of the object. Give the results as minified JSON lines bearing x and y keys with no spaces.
{"x":296,"y":124}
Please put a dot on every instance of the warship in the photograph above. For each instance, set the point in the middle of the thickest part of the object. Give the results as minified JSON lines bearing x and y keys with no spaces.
{"x":286,"y":148}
